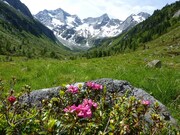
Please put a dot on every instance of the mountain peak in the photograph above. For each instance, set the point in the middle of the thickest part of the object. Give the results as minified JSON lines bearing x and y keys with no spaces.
{"x":144,"y":14}
{"x":59,"y":10}
{"x":137,"y":18}
{"x":105,"y":15}
{"x":94,"y":20}
{"x":133,"y":15}
{"x":58,"y":16}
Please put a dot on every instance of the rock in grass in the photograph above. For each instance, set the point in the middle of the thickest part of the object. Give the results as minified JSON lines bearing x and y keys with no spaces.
{"x":119,"y":87}
{"x":155,"y":63}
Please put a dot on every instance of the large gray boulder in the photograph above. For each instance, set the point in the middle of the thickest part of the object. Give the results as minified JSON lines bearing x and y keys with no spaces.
{"x":113,"y":86}
{"x":35,"y":97}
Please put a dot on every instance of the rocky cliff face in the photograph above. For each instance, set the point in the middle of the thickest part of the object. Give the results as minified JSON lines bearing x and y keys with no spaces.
{"x":76,"y":33}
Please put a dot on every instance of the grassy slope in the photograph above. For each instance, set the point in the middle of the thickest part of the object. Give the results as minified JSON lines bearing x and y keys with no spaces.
{"x":31,"y":44}
{"x":163,"y":83}
{"x":18,"y":31}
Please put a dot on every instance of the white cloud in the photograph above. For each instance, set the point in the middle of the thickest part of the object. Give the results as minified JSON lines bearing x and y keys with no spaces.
{"x":87,"y":8}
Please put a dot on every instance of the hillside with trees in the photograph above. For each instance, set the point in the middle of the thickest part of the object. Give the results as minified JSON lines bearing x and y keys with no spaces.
{"x":161,"y":22}
{"x":21,"y":35}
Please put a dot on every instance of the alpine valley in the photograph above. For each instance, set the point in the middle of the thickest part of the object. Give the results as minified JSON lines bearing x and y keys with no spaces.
{"x":138,"y":59}
{"x":76,"y":33}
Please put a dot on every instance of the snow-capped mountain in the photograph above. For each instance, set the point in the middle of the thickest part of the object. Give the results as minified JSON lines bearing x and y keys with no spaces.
{"x":81,"y":34}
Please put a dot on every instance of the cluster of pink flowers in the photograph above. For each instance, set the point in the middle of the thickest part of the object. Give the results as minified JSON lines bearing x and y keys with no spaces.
{"x":94,"y":86}
{"x":82,"y":110}
{"x":73,"y":89}
{"x":146,"y":102}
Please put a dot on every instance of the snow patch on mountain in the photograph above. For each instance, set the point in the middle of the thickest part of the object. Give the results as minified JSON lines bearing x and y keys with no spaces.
{"x":110,"y":31}
{"x":138,"y":18}
{"x":56,"y":22}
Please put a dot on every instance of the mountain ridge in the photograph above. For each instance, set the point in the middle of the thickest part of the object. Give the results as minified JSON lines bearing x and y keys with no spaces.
{"x":17,"y":4}
{"x":77,"y":33}
{"x":159,"y":23}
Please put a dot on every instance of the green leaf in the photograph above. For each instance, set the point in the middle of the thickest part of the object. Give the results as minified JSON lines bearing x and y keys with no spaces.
{"x":54,"y":99}
{"x":51,"y":124}
{"x":61,"y":93}
{"x":104,"y":90}
{"x":112,"y":127}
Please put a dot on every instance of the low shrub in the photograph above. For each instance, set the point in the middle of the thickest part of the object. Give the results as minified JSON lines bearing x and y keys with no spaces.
{"x":82,"y":110}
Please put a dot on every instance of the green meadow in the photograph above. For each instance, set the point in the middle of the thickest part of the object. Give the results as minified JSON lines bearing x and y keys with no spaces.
{"x":163,"y":83}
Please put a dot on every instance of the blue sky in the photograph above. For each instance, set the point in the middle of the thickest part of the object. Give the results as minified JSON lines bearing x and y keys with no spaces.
{"x":119,"y":9}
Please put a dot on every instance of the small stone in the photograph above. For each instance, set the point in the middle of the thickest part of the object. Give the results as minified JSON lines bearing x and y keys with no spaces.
{"x":155,"y":63}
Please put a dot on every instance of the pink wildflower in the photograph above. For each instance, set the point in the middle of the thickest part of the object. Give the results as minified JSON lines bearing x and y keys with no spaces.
{"x":81,"y":114}
{"x":88,"y":114}
{"x":70,"y":109}
{"x":73,"y":89}
{"x":82,"y":110}
{"x":97,"y":87}
{"x":85,"y":101}
{"x":90,"y":103}
{"x":94,"y":86}
{"x":90,"y":84}
{"x":146,"y":102}
{"x":95,"y":105}
{"x":82,"y":107}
